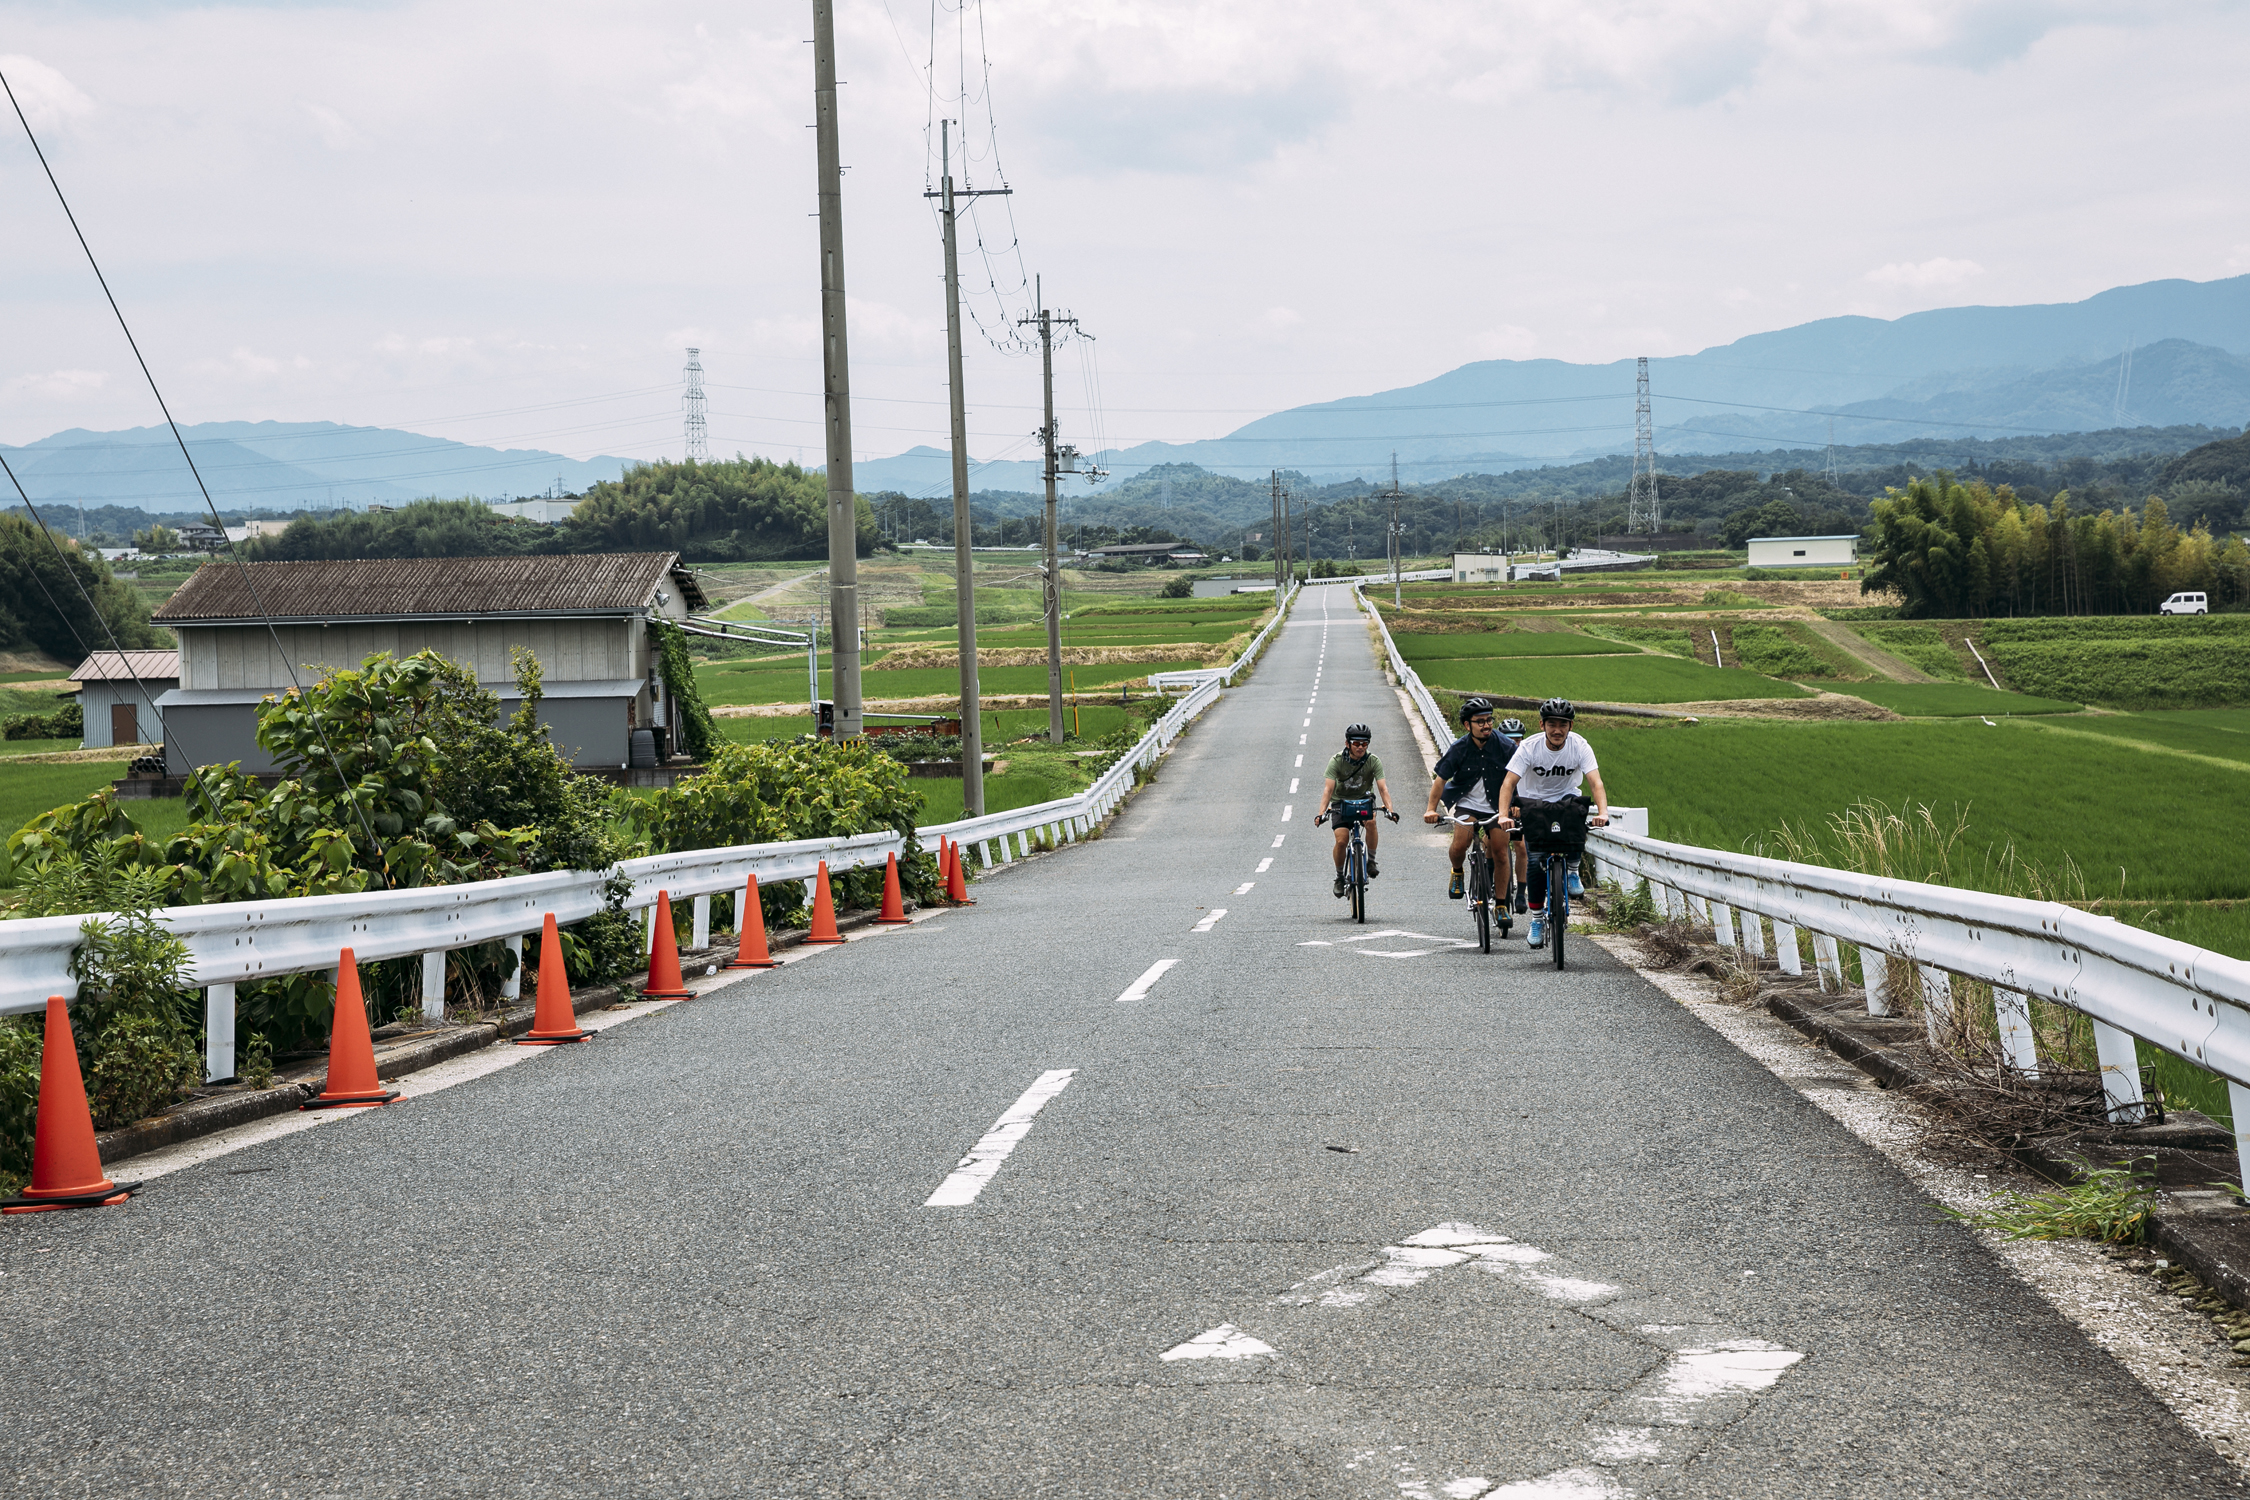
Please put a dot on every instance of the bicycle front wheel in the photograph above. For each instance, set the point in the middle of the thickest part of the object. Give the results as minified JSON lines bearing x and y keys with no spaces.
{"x":1480,"y":898}
{"x":1358,"y":884}
{"x":1558,"y":906}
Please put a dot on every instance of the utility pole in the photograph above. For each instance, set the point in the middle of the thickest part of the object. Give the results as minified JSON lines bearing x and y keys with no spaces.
{"x":1061,"y":459}
{"x":1280,"y":584}
{"x":843,"y":509}
{"x":964,"y":574}
{"x":1396,"y":593}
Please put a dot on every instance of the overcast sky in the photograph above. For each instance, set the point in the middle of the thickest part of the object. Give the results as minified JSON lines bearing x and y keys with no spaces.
{"x":504,"y":223}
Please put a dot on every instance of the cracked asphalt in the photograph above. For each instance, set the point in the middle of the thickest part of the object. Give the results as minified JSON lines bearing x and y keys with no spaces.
{"x":694,"y":1258}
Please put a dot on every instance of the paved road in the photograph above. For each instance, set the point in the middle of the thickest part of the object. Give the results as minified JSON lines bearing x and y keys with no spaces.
{"x":1440,"y":1224}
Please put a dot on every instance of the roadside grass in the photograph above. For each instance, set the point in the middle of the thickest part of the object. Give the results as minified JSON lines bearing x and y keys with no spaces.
{"x":16,"y":749}
{"x":2016,"y":787}
{"x":1638,"y":678}
{"x":1458,"y":647}
{"x":16,"y":700}
{"x":1953,"y":700}
{"x":2109,"y":1205}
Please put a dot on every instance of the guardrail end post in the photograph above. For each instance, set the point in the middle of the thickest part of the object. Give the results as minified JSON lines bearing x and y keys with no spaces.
{"x":2017,"y":1045}
{"x":218,"y":1031}
{"x":433,"y":985}
{"x":700,"y":935}
{"x":512,"y":987}
{"x":1785,"y":948}
{"x":2121,"y":1073}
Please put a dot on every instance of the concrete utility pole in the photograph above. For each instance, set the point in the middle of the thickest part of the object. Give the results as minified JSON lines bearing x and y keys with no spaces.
{"x":843,"y":509}
{"x":964,"y":574}
{"x":1280,"y":583}
{"x":1288,"y":542}
{"x":1061,"y":459}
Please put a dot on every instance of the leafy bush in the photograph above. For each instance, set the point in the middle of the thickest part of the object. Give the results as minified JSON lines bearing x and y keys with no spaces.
{"x":67,"y":722}
{"x":697,"y":731}
{"x":771,"y":791}
{"x":1182,"y":587}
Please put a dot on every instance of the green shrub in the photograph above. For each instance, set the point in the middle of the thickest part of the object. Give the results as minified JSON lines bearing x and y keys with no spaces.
{"x":1182,"y":587}
{"x":771,"y":791}
{"x":19,"y":1098}
{"x":65,"y":723}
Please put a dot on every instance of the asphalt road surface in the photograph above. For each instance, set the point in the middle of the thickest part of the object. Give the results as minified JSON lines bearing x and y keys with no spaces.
{"x":998,"y":1206}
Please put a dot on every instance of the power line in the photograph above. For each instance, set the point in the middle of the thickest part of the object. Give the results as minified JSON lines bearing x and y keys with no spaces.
{"x":375,"y":847}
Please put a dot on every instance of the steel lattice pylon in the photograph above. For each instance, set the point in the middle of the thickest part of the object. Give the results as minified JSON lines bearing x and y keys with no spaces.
{"x":698,"y":446}
{"x":1641,"y":510}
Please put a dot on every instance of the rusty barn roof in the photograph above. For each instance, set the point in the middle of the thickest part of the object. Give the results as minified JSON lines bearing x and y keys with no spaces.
{"x":605,"y":583}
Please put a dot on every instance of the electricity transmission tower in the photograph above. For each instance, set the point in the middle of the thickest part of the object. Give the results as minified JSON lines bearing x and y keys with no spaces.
{"x":1396,"y":531}
{"x":698,"y":445}
{"x":1642,"y":512}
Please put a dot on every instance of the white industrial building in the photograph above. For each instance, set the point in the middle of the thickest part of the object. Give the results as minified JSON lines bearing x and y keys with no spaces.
{"x":1804,"y":551}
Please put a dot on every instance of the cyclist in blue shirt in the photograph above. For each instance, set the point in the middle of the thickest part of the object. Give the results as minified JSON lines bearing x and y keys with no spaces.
{"x":1468,"y":779}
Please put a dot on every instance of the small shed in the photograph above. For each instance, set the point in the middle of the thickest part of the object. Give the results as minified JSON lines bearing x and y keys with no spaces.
{"x":1804,"y":551}
{"x":119,"y":692}
{"x":252,"y":630}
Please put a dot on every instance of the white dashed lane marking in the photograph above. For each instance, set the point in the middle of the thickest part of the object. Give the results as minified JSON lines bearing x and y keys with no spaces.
{"x":1263,"y":865}
{"x":1244,"y":888}
{"x":984,"y":1158}
{"x":1286,"y":809}
{"x":1139,"y":988}
{"x":1210,"y":921}
{"x":1292,"y":786}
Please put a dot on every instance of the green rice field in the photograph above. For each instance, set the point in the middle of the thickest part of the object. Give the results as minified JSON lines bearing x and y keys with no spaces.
{"x":721,"y":685}
{"x":1454,"y":647}
{"x":2011,"y":779}
{"x":1639,"y":678}
{"x":1918,"y":646}
{"x":2169,"y":731}
{"x":1951,"y":700}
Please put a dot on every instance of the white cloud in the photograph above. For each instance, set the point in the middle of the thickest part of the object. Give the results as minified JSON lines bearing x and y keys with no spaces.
{"x":47,"y":97}
{"x":1926,"y":274}
{"x":336,"y":132}
{"x":54,"y":385}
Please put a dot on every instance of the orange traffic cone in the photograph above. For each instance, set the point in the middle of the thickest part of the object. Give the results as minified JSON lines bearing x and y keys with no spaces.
{"x":664,"y":982}
{"x":554,"y":1022}
{"x":66,"y":1165}
{"x":957,"y":880}
{"x":352,"y":1083}
{"x":750,"y":921}
{"x":823,"y":912}
{"x":894,"y":905}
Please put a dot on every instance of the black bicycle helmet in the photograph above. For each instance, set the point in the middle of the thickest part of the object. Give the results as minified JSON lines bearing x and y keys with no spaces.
{"x":1513,"y":728}
{"x":1358,"y":732}
{"x":1472,"y":707}
{"x":1558,"y":708}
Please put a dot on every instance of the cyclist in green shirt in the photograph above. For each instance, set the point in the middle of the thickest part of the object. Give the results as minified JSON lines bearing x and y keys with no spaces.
{"x":1354,"y":781}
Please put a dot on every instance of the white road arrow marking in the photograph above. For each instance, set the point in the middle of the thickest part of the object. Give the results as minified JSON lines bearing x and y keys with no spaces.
{"x":1223,"y":1342}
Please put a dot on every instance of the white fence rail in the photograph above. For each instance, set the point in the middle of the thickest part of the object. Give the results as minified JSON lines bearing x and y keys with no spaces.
{"x":1917,"y":939}
{"x":1225,"y":675}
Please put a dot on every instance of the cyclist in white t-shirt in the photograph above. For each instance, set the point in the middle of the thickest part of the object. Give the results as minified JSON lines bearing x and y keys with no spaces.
{"x":1549,"y":769}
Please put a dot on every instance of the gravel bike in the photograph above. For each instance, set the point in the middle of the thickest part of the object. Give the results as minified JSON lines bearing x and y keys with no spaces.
{"x":1355,"y":861}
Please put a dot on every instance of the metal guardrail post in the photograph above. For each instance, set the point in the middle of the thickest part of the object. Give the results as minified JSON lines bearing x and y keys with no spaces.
{"x":1722,"y":923}
{"x":1937,"y":1002}
{"x":1785,"y":948}
{"x":512,"y":987}
{"x":218,"y":1031}
{"x":699,"y":935}
{"x":1753,"y":934}
{"x":2017,"y":1045}
{"x":433,"y":985}
{"x":1829,"y":963}
{"x":2121,"y":1073}
{"x":1875,"y":973}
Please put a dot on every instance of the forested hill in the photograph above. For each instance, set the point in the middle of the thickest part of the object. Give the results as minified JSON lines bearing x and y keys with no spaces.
{"x":734,"y":510}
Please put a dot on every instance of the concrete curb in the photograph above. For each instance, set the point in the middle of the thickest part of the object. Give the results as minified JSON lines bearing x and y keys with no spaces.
{"x":217,"y":1112}
{"x":2210,"y":1236}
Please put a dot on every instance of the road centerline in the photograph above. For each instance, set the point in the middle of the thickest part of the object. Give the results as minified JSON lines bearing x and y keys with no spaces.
{"x":1139,"y":988}
{"x":997,"y":1144}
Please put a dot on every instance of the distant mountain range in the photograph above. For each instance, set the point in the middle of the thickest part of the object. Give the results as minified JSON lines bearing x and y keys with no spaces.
{"x":285,"y":466}
{"x":2159,"y":354}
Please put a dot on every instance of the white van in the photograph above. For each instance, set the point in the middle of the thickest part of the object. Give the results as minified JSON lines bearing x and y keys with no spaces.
{"x":2185,"y":604}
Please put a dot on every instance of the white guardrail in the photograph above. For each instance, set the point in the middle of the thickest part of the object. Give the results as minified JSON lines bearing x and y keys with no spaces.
{"x":1066,"y":818}
{"x":2188,"y":1001}
{"x":232,"y":943}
